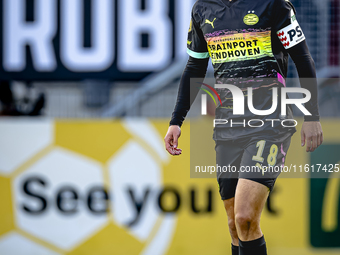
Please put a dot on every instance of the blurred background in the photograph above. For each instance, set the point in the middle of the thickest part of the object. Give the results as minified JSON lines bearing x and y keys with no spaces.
{"x":87,"y":89}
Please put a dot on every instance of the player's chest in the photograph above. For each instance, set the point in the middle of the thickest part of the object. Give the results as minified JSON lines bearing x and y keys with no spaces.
{"x":237,"y":17}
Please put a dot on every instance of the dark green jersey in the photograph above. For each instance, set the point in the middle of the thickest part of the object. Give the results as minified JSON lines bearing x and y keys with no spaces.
{"x":248,"y":42}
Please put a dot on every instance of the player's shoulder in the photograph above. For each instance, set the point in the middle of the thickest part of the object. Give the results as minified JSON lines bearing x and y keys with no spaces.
{"x":279,"y":6}
{"x":209,"y":4}
{"x":283,"y":3}
{"x":199,"y":4}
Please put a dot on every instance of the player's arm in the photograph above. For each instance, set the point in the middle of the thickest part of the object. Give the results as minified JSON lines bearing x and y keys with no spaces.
{"x":293,"y":40}
{"x":196,"y":68}
{"x":311,"y":131}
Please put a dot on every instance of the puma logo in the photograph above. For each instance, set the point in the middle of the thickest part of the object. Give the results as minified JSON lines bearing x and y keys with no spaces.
{"x":210,"y":22}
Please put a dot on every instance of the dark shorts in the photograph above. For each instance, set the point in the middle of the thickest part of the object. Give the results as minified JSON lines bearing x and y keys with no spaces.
{"x":257,"y":159}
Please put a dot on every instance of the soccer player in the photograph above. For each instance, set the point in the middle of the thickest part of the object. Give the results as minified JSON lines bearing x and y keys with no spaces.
{"x":248,"y":42}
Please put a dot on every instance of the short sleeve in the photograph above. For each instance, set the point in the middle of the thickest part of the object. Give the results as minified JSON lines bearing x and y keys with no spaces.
{"x":286,"y":25}
{"x":196,"y":44}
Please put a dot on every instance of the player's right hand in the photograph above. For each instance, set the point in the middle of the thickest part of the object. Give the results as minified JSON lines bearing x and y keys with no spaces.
{"x":171,"y":140}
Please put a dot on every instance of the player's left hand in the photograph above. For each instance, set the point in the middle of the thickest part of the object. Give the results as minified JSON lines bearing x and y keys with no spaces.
{"x":311,"y":135}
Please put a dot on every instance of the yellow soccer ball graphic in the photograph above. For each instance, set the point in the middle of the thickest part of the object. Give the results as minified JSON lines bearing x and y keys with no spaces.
{"x":82,"y":188}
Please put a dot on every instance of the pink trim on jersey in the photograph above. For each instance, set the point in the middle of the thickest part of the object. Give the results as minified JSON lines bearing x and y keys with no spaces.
{"x":281,"y":79}
{"x":284,"y":155}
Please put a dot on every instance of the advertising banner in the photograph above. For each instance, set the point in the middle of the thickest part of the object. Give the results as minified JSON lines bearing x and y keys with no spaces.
{"x":89,"y":39}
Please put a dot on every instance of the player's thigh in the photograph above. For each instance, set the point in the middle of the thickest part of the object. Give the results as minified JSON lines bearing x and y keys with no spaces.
{"x":263,"y":160}
{"x":250,"y":198}
{"x":228,"y":159}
